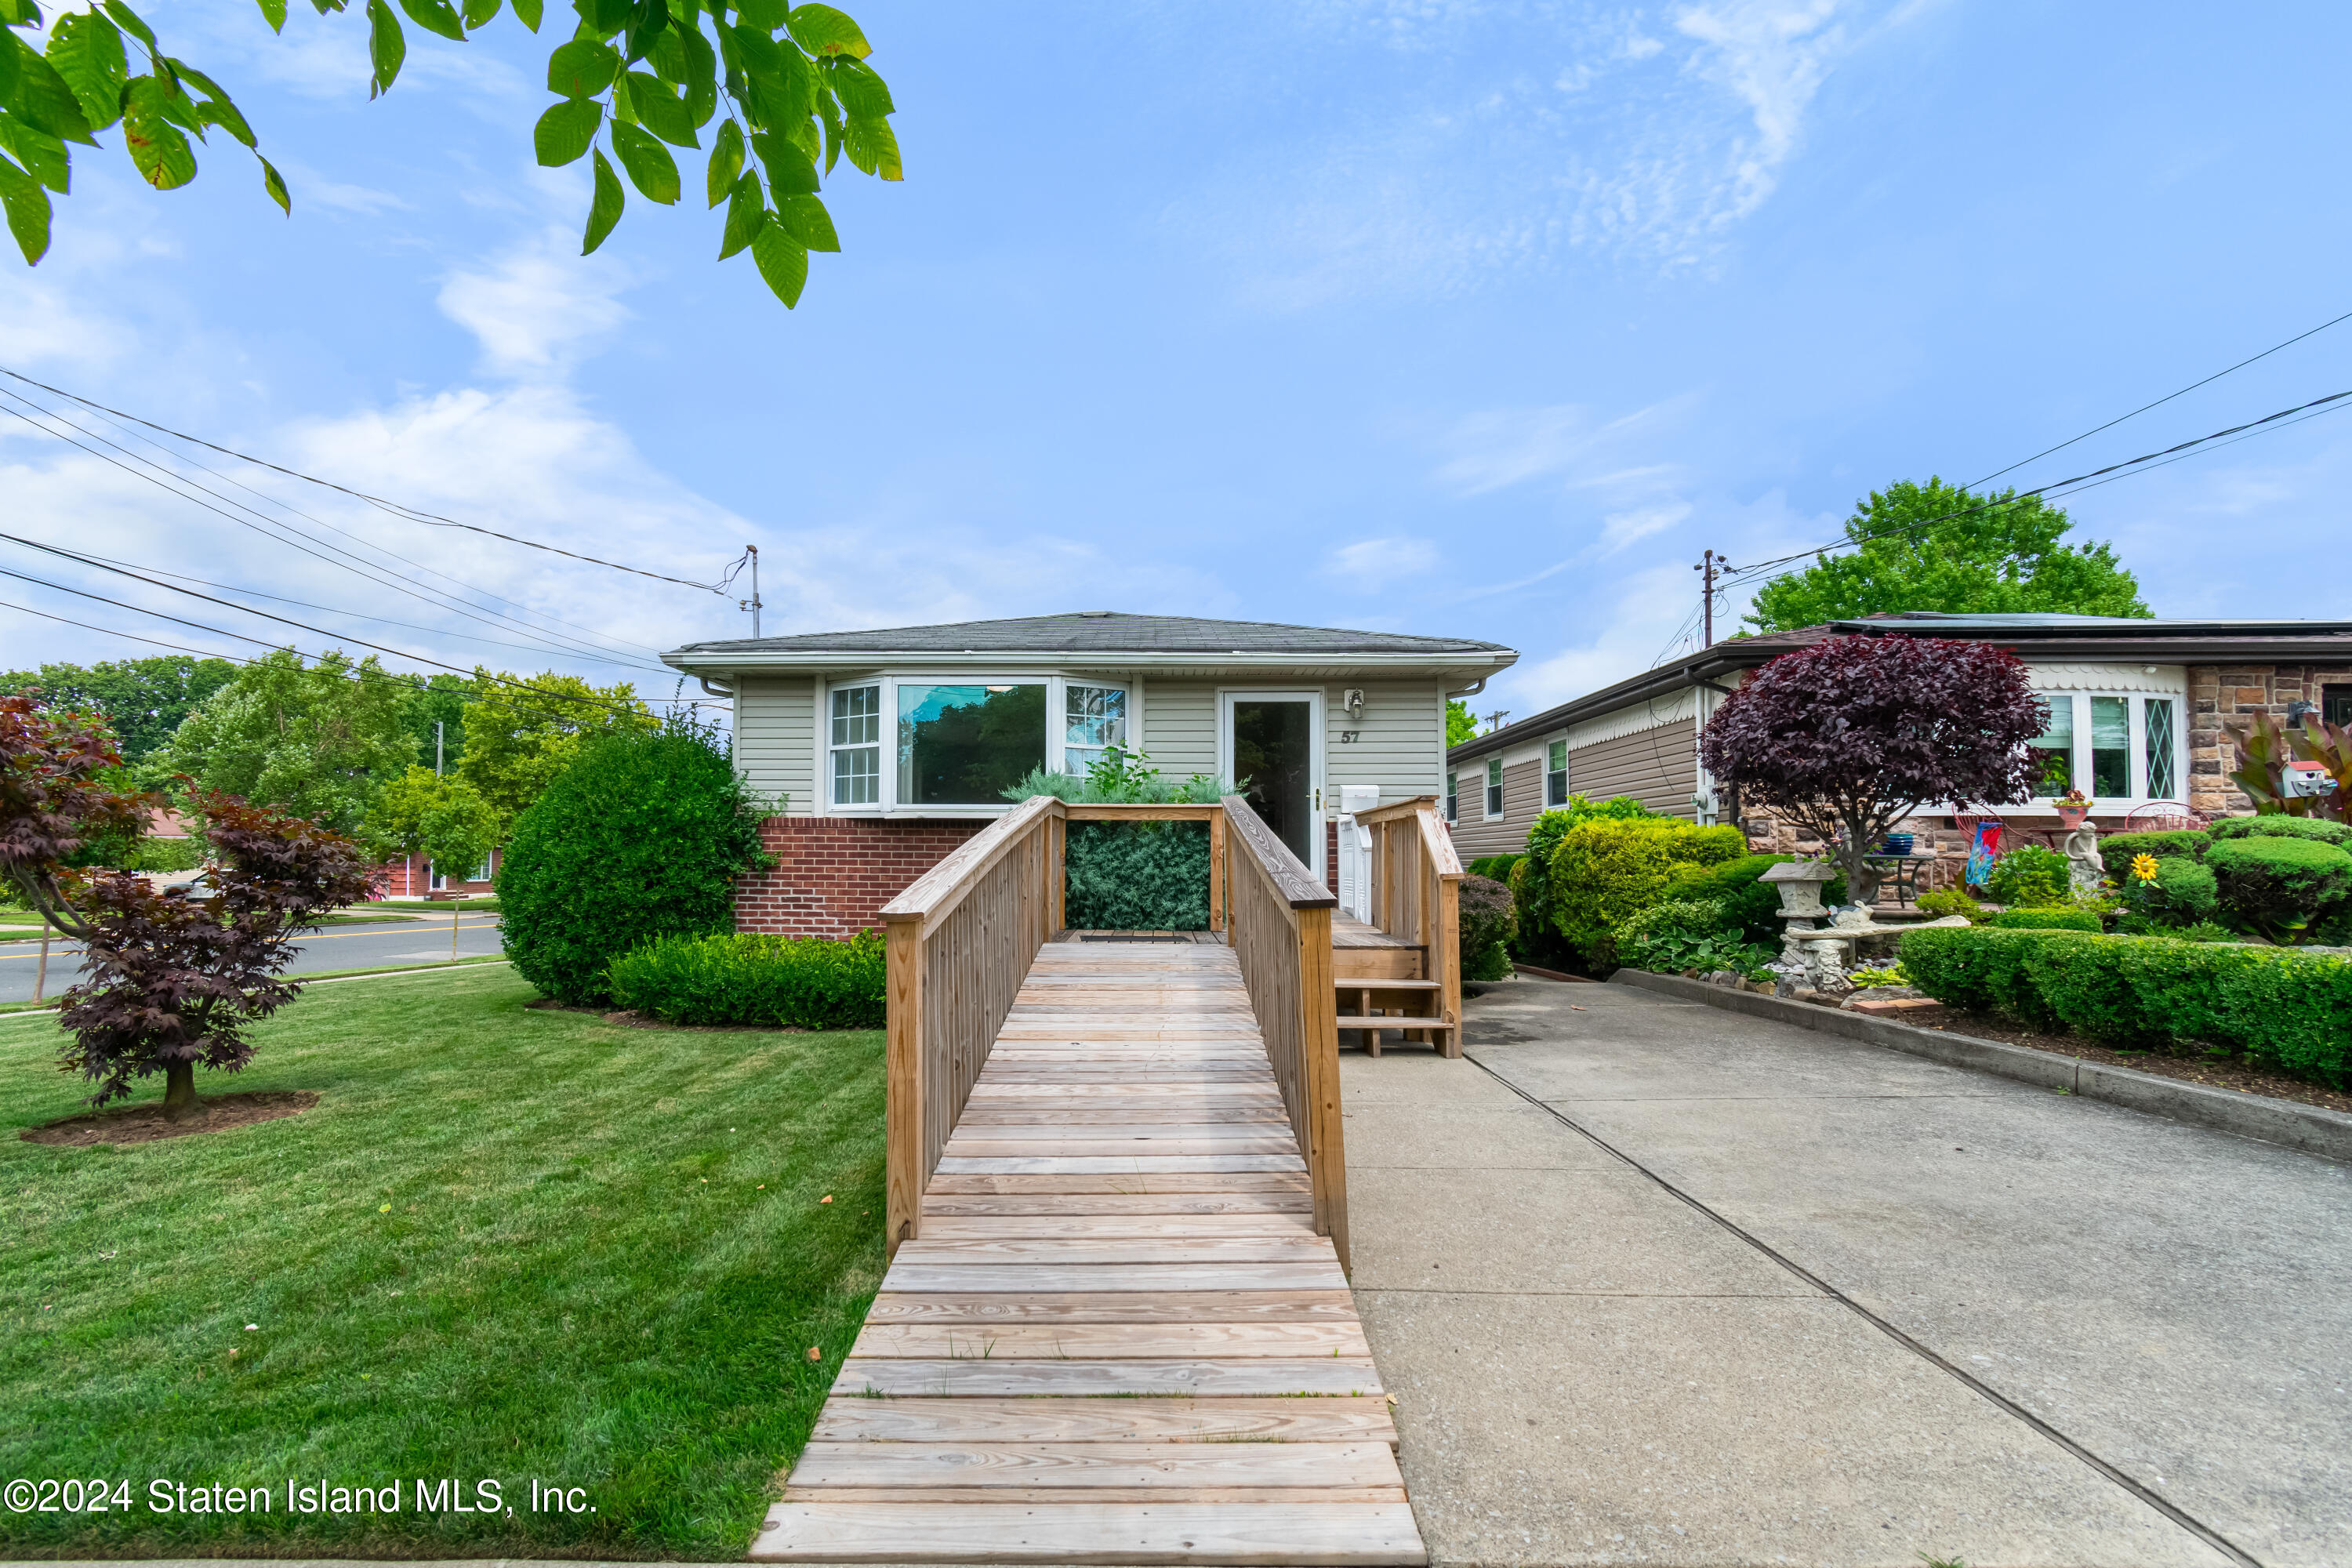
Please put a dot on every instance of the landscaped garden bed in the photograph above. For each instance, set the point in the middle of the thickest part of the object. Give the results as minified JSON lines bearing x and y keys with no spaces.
{"x":2216,"y":1069}
{"x":505,"y":1245}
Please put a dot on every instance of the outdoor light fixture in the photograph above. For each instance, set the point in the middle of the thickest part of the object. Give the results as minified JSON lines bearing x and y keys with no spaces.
{"x":2299,"y":712}
{"x":1353,"y":699}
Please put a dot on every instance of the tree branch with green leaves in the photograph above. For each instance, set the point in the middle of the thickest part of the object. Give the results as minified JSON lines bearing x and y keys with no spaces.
{"x":788,"y":88}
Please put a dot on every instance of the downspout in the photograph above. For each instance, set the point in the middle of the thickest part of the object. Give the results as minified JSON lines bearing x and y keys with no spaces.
{"x":711,"y":690}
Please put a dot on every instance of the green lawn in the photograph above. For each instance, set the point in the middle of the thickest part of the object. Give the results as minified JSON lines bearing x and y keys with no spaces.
{"x":579,"y":1280}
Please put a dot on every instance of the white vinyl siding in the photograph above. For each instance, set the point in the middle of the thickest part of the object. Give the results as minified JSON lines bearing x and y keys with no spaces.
{"x":1178,"y":731}
{"x":1400,"y":742}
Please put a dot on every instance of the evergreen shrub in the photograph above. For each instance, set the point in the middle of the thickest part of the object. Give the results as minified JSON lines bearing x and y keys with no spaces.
{"x":1495,"y":868}
{"x":2287,"y":1009}
{"x":2046,"y":919}
{"x":641,"y":837}
{"x":2273,"y":824}
{"x":1136,"y":875}
{"x":2281,"y":887}
{"x":2117,"y":850}
{"x":1486,"y":923}
{"x":1749,"y":902}
{"x":2031,"y":876}
{"x":801,"y":983}
{"x":1605,"y":871}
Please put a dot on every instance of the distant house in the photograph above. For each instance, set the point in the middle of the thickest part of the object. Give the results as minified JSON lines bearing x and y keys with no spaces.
{"x":418,"y":877}
{"x":889,"y":748}
{"x":2136,"y":706}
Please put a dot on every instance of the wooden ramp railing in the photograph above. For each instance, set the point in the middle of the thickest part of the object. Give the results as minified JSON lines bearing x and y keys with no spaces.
{"x":1280,"y":928}
{"x":1416,"y":904}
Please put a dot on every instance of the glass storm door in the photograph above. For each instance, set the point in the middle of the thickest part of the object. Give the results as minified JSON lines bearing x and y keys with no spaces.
{"x":1271,"y":741}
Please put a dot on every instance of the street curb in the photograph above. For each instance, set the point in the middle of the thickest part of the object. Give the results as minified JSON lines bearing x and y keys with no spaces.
{"x":2310,"y":1129}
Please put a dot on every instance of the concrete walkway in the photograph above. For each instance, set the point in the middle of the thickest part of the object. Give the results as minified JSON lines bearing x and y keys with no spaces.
{"x":1657,"y":1283}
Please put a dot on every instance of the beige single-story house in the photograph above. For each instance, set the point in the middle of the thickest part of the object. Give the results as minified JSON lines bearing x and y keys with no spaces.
{"x":885,"y":748}
{"x":2136,"y":714}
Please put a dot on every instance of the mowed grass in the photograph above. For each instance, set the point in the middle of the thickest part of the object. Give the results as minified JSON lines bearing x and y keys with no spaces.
{"x":604,"y":1265}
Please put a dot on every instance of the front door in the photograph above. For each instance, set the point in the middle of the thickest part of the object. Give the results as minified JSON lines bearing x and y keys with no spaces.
{"x":1272,"y":753}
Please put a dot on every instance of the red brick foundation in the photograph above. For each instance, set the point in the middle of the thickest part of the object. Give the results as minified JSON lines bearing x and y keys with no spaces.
{"x":834,"y":874}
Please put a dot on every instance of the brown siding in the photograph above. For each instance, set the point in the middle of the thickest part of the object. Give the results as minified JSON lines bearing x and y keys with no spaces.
{"x":1659,"y":765}
{"x":1506,"y":835}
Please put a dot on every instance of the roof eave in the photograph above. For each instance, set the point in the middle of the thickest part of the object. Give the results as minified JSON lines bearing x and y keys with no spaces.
{"x":700,"y":661}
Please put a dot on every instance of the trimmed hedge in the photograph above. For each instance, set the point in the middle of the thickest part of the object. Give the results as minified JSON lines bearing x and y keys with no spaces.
{"x":1137,"y":875}
{"x":2275,"y":825}
{"x":2292,"y":1010}
{"x":1605,"y":871}
{"x":801,"y":983}
{"x":2116,"y":850}
{"x":2046,"y":919}
{"x":2280,"y":885}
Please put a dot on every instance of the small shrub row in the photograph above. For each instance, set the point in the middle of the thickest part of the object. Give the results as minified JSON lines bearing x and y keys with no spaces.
{"x":2291,"y":1010}
{"x":806,"y":982}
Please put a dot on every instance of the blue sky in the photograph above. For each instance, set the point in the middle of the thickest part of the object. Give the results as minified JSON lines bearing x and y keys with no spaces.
{"x":1471,"y":319}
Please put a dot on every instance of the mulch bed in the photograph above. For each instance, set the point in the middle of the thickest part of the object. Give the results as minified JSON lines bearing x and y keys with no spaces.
{"x":2190,"y":1066}
{"x":144,"y":1123}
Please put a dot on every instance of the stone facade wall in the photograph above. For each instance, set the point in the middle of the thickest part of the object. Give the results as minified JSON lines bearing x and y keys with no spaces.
{"x":2220,"y":693}
{"x":834,"y":874}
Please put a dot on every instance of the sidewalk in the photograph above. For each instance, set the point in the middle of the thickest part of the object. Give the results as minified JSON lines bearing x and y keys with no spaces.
{"x":1898,"y":1307}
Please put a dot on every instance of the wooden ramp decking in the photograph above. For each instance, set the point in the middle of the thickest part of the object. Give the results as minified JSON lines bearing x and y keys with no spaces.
{"x":1118,"y":1339}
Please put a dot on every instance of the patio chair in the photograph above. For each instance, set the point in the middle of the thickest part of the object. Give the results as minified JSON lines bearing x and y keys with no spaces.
{"x":2164,"y":817}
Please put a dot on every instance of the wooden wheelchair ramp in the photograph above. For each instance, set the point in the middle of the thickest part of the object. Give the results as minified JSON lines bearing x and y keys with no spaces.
{"x":1118,"y":1338}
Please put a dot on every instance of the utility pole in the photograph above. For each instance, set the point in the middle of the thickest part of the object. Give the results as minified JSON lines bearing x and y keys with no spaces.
{"x":437,"y":748}
{"x":1710,"y":564}
{"x":1494,"y":720}
{"x":754,"y":552}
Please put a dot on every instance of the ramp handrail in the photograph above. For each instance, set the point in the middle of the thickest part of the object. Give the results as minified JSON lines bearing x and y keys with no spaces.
{"x":1417,"y":894}
{"x":1279,"y":923}
{"x":962,"y":938}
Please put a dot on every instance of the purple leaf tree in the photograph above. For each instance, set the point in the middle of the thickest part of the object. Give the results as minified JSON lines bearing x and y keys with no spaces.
{"x":1850,"y":736}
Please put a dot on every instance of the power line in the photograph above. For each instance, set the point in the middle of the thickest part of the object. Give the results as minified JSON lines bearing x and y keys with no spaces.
{"x":269,"y":528}
{"x":396,"y":508}
{"x":2170,"y":453}
{"x":2165,"y":399}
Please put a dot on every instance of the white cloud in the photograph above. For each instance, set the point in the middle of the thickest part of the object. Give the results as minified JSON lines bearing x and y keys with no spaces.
{"x":1623,"y":527}
{"x":1771,"y":56}
{"x":1376,"y":564}
{"x":1495,"y":448}
{"x":537,"y":309}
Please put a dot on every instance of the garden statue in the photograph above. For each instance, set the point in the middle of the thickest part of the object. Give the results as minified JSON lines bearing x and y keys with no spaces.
{"x":2085,"y":870}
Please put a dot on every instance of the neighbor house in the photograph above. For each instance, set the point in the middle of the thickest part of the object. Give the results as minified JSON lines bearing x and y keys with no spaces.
{"x":884,"y":750}
{"x":2136,"y":714}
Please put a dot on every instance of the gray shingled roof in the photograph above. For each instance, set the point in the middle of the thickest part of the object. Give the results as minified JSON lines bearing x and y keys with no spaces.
{"x":1102,"y":632}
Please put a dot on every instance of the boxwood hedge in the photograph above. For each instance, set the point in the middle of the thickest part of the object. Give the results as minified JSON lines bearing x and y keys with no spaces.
{"x":2289,"y":1009}
{"x":806,"y":982}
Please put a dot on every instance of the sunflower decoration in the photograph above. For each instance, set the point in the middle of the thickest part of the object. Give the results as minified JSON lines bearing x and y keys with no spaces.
{"x":2143,"y":867}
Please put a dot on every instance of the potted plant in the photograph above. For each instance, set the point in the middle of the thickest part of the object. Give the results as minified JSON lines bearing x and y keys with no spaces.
{"x":2072,"y":807}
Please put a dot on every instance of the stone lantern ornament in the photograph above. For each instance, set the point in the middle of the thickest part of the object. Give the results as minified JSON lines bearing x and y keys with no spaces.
{"x":1813,"y":956}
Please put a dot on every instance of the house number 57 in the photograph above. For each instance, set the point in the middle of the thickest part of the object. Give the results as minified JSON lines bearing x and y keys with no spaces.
{"x":1347,"y":737}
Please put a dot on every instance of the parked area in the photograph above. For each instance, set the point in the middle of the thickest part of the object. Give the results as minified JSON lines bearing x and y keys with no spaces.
{"x":1654,"y":1282}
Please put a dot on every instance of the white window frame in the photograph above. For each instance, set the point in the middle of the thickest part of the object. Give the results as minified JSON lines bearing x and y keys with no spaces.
{"x":1493,"y":800}
{"x":1555,"y":778}
{"x":2135,"y":723}
{"x":1452,"y":795}
{"x":1056,"y":684}
{"x":829,"y":748}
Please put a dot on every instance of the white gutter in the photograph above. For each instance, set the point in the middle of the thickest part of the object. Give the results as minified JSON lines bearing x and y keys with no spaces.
{"x":695,"y":663}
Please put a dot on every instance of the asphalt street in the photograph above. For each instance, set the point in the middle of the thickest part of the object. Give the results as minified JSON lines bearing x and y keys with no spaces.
{"x":336,"y":947}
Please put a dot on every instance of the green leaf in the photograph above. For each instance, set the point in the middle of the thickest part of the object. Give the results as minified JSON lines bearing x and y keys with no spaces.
{"x":386,"y":46}
{"x":528,"y":12}
{"x":275,"y":183}
{"x":564,"y":132}
{"x":874,"y":147}
{"x":790,"y":172}
{"x":860,"y":88}
{"x":19,"y":13}
{"x":726,"y":160}
{"x":216,"y":110}
{"x":605,"y":16}
{"x":765,"y":15}
{"x":659,"y":112}
{"x":435,"y":16}
{"x":40,"y":153}
{"x":32,"y":91}
{"x":745,"y":216}
{"x":87,"y":49}
{"x":830,"y":118}
{"x":274,"y":13}
{"x":605,"y":208}
{"x":805,"y":220}
{"x":128,"y":21}
{"x":582,"y":68}
{"x":667,"y":57}
{"x":163,"y":155}
{"x":27,"y":208}
{"x":651,"y":168}
{"x":701,"y":76}
{"x":478,"y":12}
{"x":822,"y":30}
{"x":781,"y":262}
{"x":755,"y":52}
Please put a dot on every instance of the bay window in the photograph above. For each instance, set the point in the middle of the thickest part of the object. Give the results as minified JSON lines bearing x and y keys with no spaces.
{"x":2112,"y":746}
{"x":959,"y":742}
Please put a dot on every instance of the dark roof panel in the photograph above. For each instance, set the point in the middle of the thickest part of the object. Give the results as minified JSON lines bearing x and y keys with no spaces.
{"x":1104,"y":632}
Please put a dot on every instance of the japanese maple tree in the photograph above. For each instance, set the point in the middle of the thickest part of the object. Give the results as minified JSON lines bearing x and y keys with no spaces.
{"x":1850,"y":736}
{"x":175,"y":980}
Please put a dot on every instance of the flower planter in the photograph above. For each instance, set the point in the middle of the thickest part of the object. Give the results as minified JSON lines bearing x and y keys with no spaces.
{"x":2070,"y":816}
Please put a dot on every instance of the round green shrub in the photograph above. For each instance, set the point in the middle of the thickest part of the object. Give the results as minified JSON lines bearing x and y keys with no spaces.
{"x":2273,"y":824}
{"x":1487,"y":922}
{"x":1751,"y":903}
{"x":2046,"y":919}
{"x":1136,"y":875}
{"x":1495,"y":868}
{"x":2117,"y":850}
{"x":1603,"y":871}
{"x":2188,"y":888}
{"x":2280,"y":886}
{"x":2030,"y":876}
{"x":641,"y":837}
{"x":800,"y":982}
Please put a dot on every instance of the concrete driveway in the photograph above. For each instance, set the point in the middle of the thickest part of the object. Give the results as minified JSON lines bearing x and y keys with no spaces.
{"x":1658,"y":1283}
